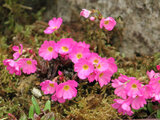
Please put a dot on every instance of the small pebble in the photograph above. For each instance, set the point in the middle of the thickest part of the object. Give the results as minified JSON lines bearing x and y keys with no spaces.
{"x":36,"y":92}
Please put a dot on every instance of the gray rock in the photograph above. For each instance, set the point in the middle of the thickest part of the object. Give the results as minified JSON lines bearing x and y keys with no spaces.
{"x":141,"y":33}
{"x":141,"y":17}
{"x":36,"y":92}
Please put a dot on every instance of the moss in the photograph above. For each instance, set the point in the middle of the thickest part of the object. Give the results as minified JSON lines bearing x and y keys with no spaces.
{"x":92,"y":107}
{"x":92,"y":101}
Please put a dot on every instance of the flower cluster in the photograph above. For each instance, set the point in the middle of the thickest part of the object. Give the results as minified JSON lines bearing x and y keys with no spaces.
{"x":134,"y":94}
{"x":28,"y":65}
{"x":86,"y":63}
{"x":87,"y":66}
{"x":61,"y":92}
{"x":108,"y":23}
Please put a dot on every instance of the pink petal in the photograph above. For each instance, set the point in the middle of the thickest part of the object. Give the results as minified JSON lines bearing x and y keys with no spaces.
{"x":15,"y":48}
{"x":48,"y":30}
{"x":16,"y":55}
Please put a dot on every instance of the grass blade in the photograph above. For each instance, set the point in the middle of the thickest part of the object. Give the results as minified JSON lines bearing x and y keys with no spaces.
{"x":36,"y":106}
{"x":47,"y":106}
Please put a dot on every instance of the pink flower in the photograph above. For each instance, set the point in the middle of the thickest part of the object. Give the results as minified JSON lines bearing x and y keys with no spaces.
{"x":47,"y":50}
{"x":84,"y":68}
{"x":60,"y":100}
{"x":121,"y":91}
{"x":82,"y":44}
{"x":31,"y":51}
{"x":120,"y":88}
{"x":92,"y":76}
{"x":155,"y":83}
{"x":122,"y":79}
{"x":28,"y":65}
{"x":148,"y":91}
{"x":60,"y":73}
{"x":78,"y":53}
{"x":158,"y":67}
{"x":123,"y":106}
{"x":156,"y":96}
{"x":107,"y":64}
{"x":102,"y":65}
{"x":64,"y":46}
{"x":12,"y":66}
{"x":138,"y":102}
{"x":85,"y":13}
{"x":94,"y":58}
{"x":103,"y":77}
{"x":18,"y":51}
{"x":67,"y":90}
{"x":112,"y":66}
{"x":152,"y":74}
{"x":134,"y":88}
{"x":48,"y":86}
{"x":120,"y":85}
{"x":108,"y":23}
{"x":92,"y":18}
{"x":54,"y":24}
{"x":73,"y":83}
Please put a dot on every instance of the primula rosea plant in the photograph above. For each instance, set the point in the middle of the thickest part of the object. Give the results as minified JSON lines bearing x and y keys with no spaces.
{"x":134,"y":94}
{"x":85,"y":64}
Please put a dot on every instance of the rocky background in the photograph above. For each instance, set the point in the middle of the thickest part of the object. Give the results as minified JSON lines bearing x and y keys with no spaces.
{"x":141,"y":18}
{"x":135,"y":35}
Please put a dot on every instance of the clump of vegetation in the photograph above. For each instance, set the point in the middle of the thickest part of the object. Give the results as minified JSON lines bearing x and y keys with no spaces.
{"x":92,"y":101}
{"x":92,"y":107}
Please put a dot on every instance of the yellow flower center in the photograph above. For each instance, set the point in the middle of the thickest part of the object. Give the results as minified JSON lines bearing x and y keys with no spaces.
{"x":54,"y":27}
{"x":134,"y":86}
{"x":106,"y":22}
{"x":29,"y":62}
{"x":100,"y":75}
{"x":79,"y":55}
{"x":159,"y":81}
{"x":66,"y":87}
{"x":85,"y":67}
{"x":64,"y":48}
{"x":96,"y":61}
{"x":19,"y":51}
{"x":51,"y":84}
{"x":99,"y":66}
{"x":50,"y":49}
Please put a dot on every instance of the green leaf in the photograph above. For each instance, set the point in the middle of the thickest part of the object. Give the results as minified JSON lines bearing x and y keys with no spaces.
{"x":144,"y":108}
{"x":52,"y":118}
{"x":36,"y":106}
{"x":31,"y":112}
{"x":23,"y":117}
{"x":149,"y":107}
{"x":47,"y":106}
{"x":158,"y":113}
